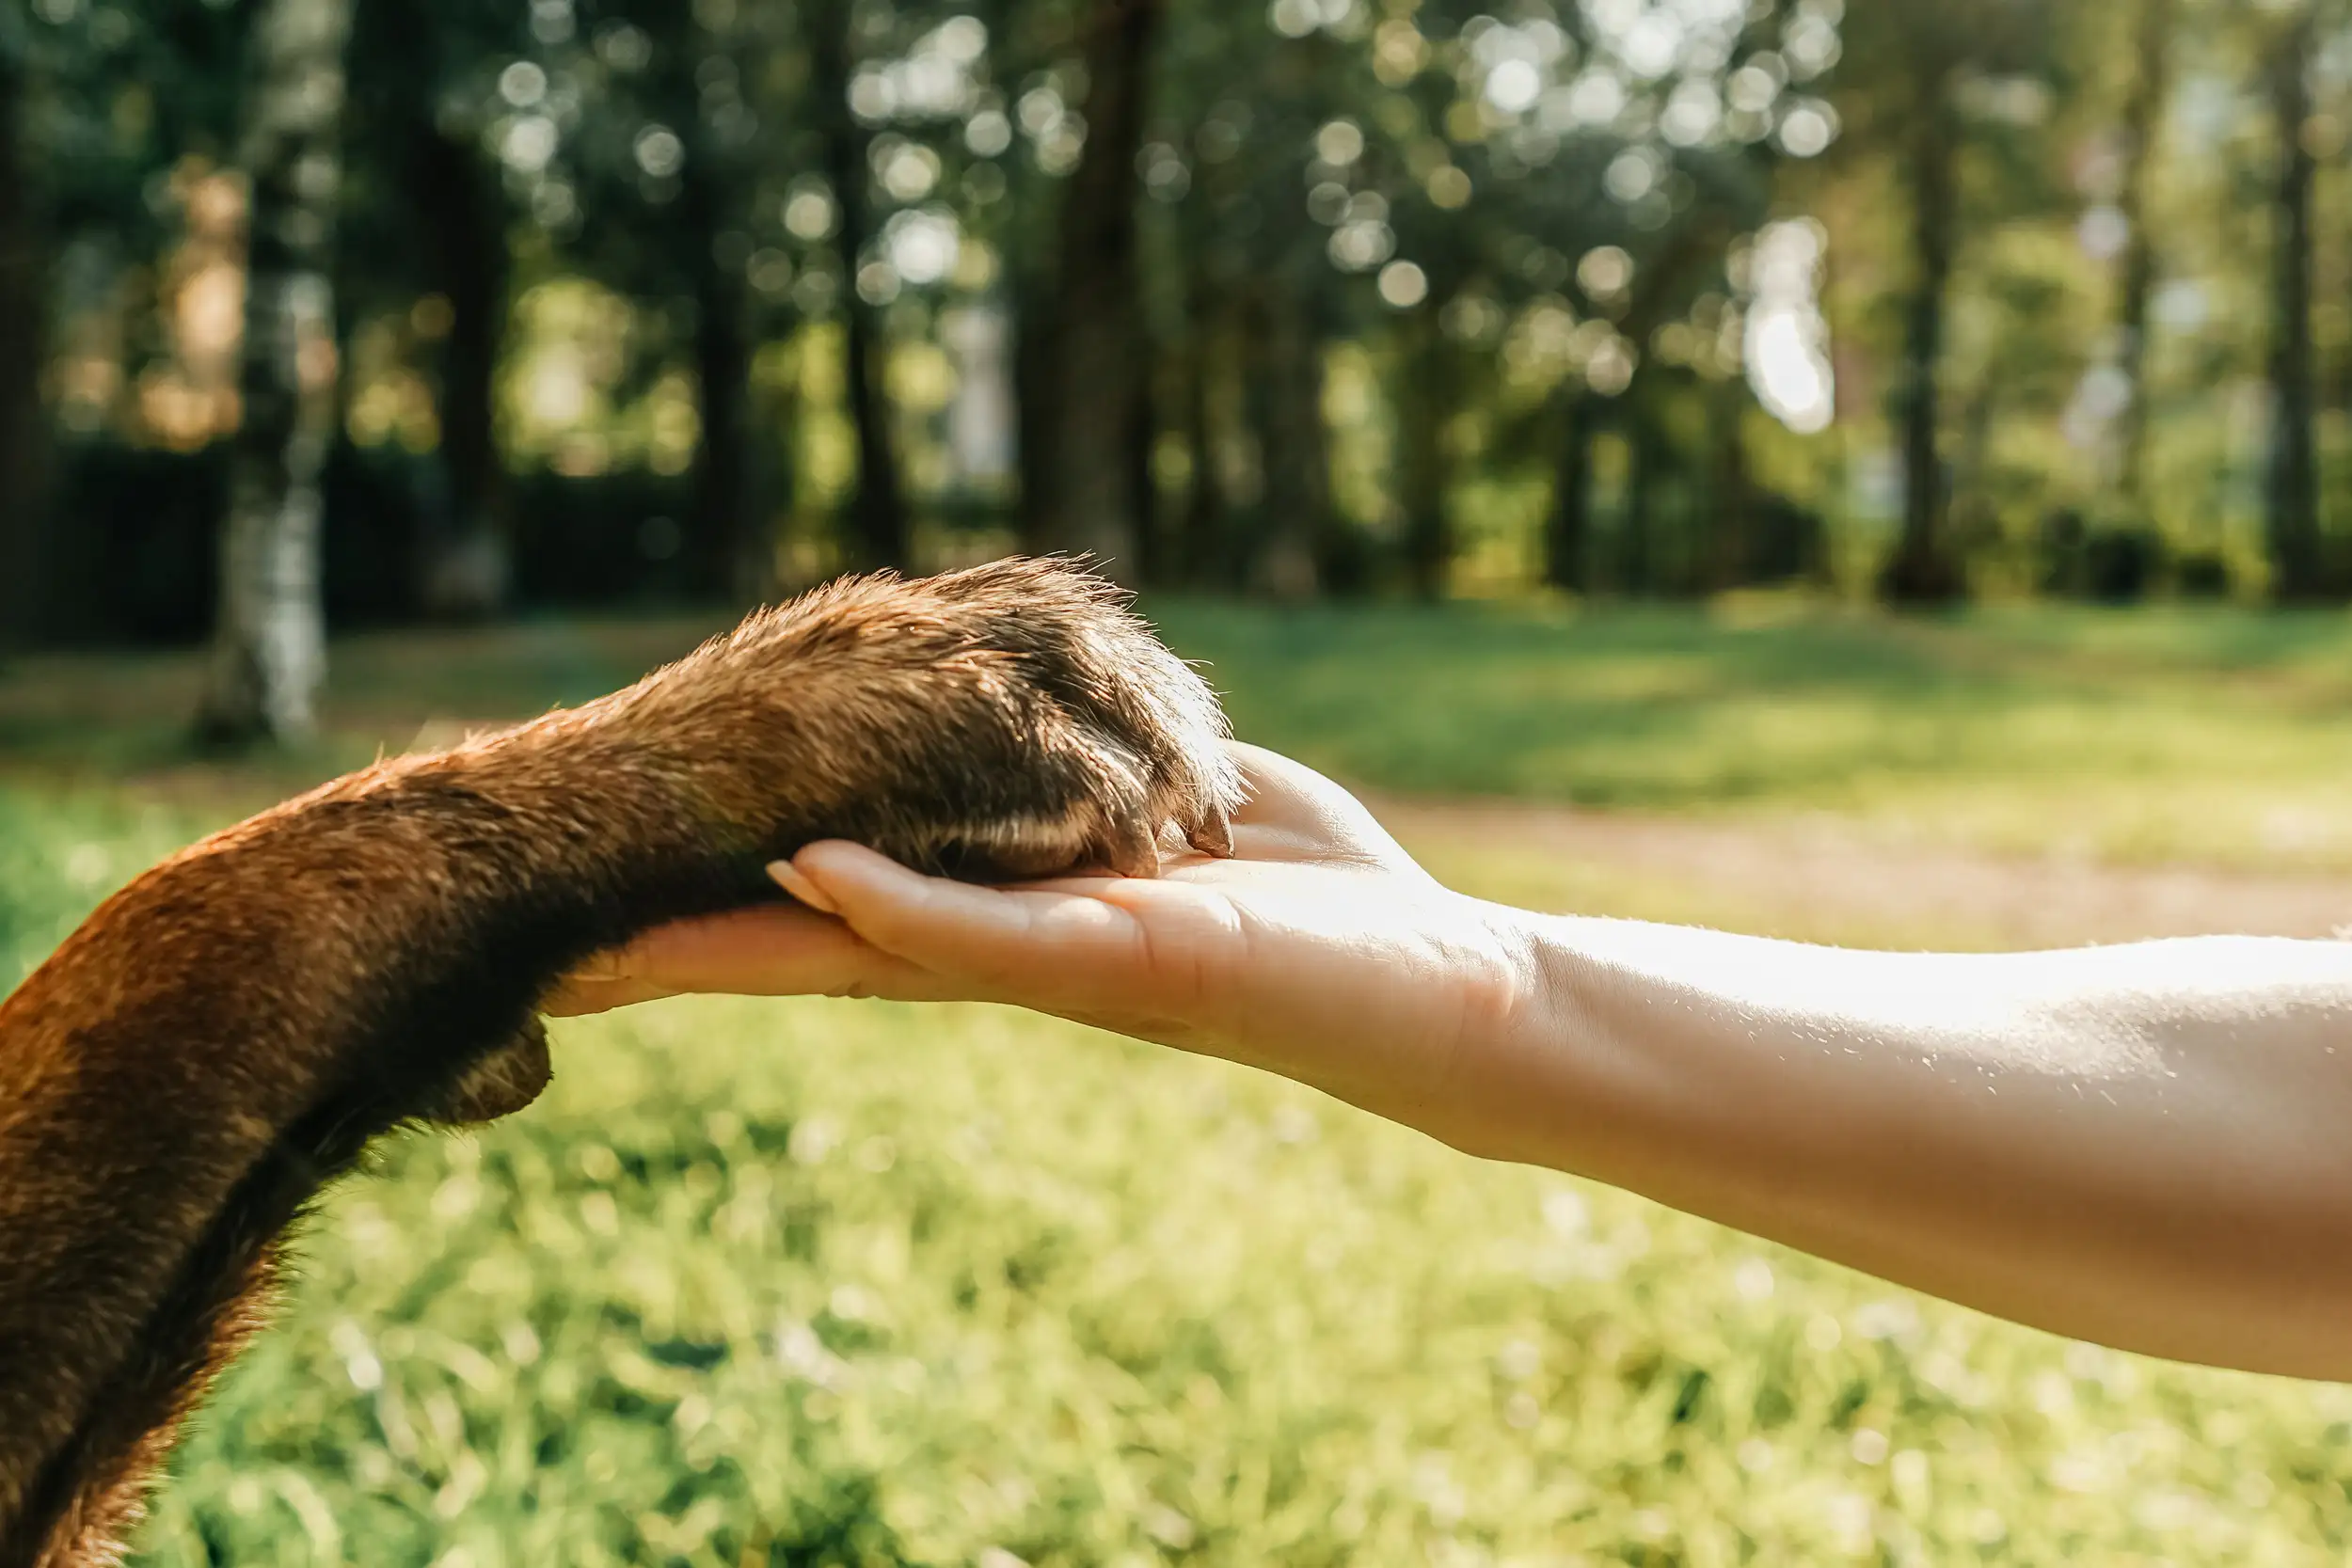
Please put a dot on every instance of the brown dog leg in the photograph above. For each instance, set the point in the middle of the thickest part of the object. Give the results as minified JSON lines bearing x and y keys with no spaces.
{"x":226,"y":1034}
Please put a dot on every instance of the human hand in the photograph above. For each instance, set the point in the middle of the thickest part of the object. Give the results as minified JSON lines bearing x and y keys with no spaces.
{"x":1320,"y":950}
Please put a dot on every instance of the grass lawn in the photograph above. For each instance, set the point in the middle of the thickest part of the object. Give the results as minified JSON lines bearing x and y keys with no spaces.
{"x":818,"y":1283}
{"x":2163,"y":733}
{"x":2149,"y":736}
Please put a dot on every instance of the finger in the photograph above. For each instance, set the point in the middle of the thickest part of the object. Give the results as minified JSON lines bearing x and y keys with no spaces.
{"x":771,"y":950}
{"x":578,"y":997}
{"x":1286,"y":792}
{"x":1306,"y":813}
{"x":790,"y":878}
{"x":993,"y":943}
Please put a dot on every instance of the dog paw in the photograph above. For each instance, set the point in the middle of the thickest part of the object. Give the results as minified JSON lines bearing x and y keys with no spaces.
{"x":1012,"y":720}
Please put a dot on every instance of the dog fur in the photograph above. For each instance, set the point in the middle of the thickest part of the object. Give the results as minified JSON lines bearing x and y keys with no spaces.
{"x":226,"y":1034}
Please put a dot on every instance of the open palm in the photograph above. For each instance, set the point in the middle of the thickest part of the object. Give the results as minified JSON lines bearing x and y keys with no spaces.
{"x":1320,"y":950}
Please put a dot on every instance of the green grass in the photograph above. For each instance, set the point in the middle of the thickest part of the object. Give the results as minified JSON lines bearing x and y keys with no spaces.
{"x":2145,"y":736}
{"x":859,"y":1284}
{"x":811,"y":1283}
{"x":2204,"y":733}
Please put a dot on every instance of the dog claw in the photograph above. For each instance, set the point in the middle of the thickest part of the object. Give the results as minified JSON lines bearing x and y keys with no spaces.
{"x":1212,"y":835}
{"x":1132,"y":848}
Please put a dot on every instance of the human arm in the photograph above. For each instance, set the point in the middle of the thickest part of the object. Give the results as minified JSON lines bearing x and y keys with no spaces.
{"x":2142,"y":1145}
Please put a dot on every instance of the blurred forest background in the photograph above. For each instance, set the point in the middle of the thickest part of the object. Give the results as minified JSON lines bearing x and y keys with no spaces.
{"x":367,"y":312}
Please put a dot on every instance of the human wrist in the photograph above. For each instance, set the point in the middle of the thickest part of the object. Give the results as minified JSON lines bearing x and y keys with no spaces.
{"x":1506,"y":1085}
{"x":1569,"y":1081}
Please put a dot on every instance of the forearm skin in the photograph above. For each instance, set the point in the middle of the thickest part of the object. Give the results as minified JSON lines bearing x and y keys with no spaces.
{"x":2149,"y":1146}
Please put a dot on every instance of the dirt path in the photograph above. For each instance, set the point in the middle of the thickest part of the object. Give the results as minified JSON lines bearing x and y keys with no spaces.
{"x":1822,"y":874}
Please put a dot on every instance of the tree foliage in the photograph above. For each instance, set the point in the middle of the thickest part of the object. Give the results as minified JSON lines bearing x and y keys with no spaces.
{"x":1635,"y":296}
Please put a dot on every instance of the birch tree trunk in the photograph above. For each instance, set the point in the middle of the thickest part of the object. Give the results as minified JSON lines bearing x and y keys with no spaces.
{"x":269,"y":654}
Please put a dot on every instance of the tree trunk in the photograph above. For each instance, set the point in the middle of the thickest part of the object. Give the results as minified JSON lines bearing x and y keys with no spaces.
{"x":727,"y":536}
{"x":1197,"y":553}
{"x":1974,"y":522}
{"x":724,"y":546}
{"x":2143,"y":113}
{"x":1728,"y":551}
{"x":1297,"y":451}
{"x":1568,"y":543}
{"x":1637,"y":543}
{"x":1156,"y":374}
{"x":775,"y":415}
{"x":1923,"y":570}
{"x":269,"y":644}
{"x":1427,"y":401}
{"x":1037,"y":403}
{"x":2297,"y":573}
{"x":880,"y":531}
{"x":1568,"y":526}
{"x":468,"y":550}
{"x":24,"y":455}
{"x":1098,"y":360}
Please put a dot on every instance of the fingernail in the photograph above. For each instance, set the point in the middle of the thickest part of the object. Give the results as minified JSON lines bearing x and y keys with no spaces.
{"x":788,"y":878}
